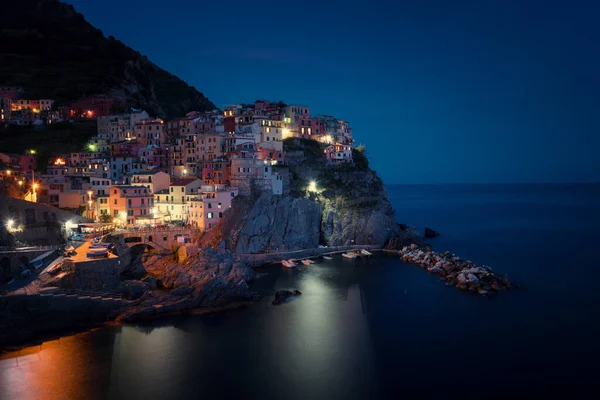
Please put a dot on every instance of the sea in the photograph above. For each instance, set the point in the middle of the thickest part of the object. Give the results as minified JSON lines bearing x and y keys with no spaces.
{"x":373,"y":328}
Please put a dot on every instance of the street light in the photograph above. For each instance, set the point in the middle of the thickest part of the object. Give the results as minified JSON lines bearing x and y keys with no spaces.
{"x":184,"y":172}
{"x":10,"y":223}
{"x":312,"y":186}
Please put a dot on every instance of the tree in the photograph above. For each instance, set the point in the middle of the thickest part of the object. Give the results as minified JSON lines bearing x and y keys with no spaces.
{"x":105,"y":218}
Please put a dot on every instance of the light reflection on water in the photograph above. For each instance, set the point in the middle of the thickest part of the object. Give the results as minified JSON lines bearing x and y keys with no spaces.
{"x":311,"y":346}
{"x":371,"y":328}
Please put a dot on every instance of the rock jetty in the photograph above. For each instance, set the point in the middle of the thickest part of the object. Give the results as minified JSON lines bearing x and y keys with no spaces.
{"x":465,"y":275}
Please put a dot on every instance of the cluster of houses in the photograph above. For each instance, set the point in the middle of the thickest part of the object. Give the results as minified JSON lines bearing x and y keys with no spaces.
{"x":139,"y":170}
{"x":20,"y":110}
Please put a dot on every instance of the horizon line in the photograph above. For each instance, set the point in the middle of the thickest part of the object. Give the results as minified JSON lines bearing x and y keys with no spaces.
{"x":496,"y":183}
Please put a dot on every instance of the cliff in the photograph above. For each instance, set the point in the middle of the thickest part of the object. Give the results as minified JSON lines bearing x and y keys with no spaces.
{"x":349,"y":206}
{"x":51,"y":51}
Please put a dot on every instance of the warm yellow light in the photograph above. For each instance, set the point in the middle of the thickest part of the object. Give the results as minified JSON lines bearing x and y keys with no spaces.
{"x":90,"y":193}
{"x":312,"y":186}
{"x":20,"y":183}
{"x":8,"y":172}
{"x":35,"y":186}
{"x":10,"y":223}
{"x":123,"y":215}
{"x":285,"y":133}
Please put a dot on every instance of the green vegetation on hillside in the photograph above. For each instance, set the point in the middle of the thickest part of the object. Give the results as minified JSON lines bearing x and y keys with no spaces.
{"x":51,"y":51}
{"x":63,"y":138}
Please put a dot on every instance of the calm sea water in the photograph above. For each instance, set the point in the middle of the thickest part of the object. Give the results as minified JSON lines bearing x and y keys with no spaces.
{"x":373,"y":328}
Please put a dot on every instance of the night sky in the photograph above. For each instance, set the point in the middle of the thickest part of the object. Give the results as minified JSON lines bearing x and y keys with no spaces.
{"x":438,"y":91}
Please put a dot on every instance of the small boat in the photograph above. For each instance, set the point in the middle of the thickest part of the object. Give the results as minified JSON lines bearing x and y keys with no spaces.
{"x":307,"y":262}
{"x":101,"y":245}
{"x":327,"y":258}
{"x":288,"y":263}
{"x":349,"y":255}
{"x":365,"y":252}
{"x":97,"y":253}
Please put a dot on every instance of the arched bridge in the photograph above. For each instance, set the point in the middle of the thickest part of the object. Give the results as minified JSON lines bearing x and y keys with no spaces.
{"x":160,"y":239}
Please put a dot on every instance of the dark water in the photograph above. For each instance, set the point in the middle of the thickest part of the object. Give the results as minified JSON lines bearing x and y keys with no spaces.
{"x":373,"y":328}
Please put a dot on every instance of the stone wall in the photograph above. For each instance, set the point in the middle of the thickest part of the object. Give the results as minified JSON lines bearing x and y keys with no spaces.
{"x":26,"y":317}
{"x":97,"y":275}
{"x":43,"y":224}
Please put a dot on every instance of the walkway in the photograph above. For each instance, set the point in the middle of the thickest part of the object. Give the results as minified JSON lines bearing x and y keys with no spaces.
{"x":259,"y":259}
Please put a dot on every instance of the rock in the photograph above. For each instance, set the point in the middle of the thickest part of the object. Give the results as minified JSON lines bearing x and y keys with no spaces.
{"x":461,"y":279}
{"x":472,"y":278}
{"x":151,"y":281}
{"x":282,"y":296}
{"x":181,"y":291}
{"x":277,"y":222}
{"x":181,"y":254}
{"x":134,"y":289}
{"x":430,"y":233}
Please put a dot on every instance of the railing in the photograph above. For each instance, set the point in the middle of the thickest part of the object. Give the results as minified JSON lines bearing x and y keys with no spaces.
{"x":154,"y":230}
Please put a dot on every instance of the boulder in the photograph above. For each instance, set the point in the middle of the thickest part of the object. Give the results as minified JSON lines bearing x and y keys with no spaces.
{"x":151,"y":281}
{"x":181,"y":291}
{"x":282,"y":296}
{"x":430,"y":233}
{"x":133,"y":290}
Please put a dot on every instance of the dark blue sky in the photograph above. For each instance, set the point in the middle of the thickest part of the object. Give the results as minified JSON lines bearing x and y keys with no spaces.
{"x":438,"y":91}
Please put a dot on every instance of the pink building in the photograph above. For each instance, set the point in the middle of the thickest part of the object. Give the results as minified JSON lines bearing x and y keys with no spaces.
{"x":27,"y":163}
{"x":129,"y":203}
{"x":215,"y":172}
{"x":151,"y":132}
{"x":339,"y":152}
{"x":206,"y":210}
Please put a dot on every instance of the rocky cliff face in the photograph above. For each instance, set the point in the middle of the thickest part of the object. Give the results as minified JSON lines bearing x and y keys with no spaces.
{"x":51,"y":51}
{"x":349,"y":207}
{"x":207,"y":279}
{"x":277,"y":223}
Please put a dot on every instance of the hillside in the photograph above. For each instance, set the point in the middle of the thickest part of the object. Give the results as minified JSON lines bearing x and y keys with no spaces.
{"x":349,"y":206}
{"x":51,"y":51}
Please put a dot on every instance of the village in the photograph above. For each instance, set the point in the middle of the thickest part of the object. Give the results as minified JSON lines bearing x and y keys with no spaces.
{"x":142,"y":171}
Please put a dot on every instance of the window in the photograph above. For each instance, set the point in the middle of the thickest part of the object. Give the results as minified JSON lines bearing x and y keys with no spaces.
{"x":115,"y":202}
{"x":209,"y":215}
{"x":182,"y":189}
{"x":220,"y":215}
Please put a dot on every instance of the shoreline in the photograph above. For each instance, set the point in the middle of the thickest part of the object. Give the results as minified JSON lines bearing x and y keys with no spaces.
{"x":44,"y":336}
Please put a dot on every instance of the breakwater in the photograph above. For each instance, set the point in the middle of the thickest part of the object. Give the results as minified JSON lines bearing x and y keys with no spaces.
{"x":465,"y":275}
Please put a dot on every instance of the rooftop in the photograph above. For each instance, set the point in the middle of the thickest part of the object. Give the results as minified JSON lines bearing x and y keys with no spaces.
{"x":183,"y":181}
